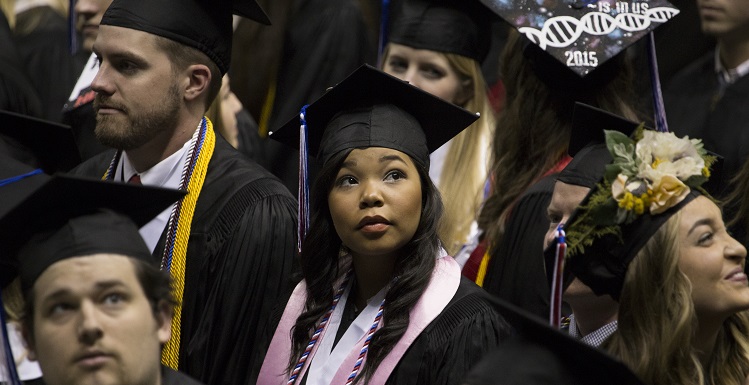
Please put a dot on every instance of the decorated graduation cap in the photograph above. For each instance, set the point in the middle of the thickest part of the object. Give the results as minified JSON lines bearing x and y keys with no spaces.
{"x":369,"y":109}
{"x":69,"y":216}
{"x":583,"y":34}
{"x":590,"y":157}
{"x":541,"y":355}
{"x":38,"y":142}
{"x":652,"y":175}
{"x":205,"y":25}
{"x":462,"y":27}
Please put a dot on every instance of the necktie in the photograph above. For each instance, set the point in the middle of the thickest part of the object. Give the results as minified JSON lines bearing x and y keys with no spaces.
{"x":135,"y":179}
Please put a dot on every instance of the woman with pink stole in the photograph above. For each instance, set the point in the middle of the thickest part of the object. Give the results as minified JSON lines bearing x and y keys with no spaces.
{"x":381,"y":302}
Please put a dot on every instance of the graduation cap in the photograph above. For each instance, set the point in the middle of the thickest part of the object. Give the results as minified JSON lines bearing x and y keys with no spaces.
{"x":205,"y":25}
{"x":606,"y":232}
{"x":583,"y":34}
{"x":369,"y":109}
{"x":461,"y":27}
{"x":373,"y":109}
{"x":540,"y":355}
{"x":70,"y":216}
{"x":38,"y":142}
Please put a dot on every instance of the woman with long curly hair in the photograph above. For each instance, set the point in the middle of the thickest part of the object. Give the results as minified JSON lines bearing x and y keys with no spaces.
{"x":380,"y":301}
{"x":650,"y":237}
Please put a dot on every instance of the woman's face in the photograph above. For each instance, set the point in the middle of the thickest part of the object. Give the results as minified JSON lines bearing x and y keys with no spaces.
{"x":712,"y":260}
{"x":428,"y":70}
{"x":375,"y":201}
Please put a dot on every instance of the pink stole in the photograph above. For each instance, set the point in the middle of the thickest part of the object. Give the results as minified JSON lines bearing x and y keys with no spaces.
{"x":441,"y":289}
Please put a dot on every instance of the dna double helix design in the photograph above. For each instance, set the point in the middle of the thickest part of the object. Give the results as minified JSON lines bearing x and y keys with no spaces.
{"x":561,"y":31}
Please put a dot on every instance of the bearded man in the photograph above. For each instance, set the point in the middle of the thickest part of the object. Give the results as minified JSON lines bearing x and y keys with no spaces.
{"x":230,"y":242}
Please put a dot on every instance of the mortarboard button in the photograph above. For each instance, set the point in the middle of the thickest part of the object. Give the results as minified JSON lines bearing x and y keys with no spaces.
{"x":583,"y":34}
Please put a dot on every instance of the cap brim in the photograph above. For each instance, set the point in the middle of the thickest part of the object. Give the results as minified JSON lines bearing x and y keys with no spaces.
{"x":251,"y":10}
{"x":587,"y":364}
{"x":588,"y":123}
{"x":63,"y":197}
{"x":50,"y":143}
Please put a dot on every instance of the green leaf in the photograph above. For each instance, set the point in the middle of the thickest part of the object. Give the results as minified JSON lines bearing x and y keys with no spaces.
{"x":615,"y":137}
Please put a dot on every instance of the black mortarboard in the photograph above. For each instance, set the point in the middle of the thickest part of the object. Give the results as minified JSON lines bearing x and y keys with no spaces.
{"x":461,"y":27}
{"x":590,"y":156}
{"x":587,"y":144}
{"x":541,"y":355}
{"x":373,"y":109}
{"x":63,"y":218}
{"x":205,"y":25}
{"x":38,"y":142}
{"x":583,"y":34}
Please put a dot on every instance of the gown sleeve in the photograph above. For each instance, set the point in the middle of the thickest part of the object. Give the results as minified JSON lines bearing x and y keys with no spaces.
{"x":243,"y":282}
{"x":454,"y":342}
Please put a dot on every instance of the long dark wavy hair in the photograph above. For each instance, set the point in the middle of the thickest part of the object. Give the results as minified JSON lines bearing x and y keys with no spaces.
{"x":320,"y":261}
{"x":533,"y":129}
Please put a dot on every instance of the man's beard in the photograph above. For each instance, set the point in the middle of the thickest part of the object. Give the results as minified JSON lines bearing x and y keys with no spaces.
{"x":132,"y":129}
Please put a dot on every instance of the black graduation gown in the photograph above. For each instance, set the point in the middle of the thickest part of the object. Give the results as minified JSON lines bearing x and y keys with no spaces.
{"x":16,"y":92}
{"x":694,"y":107}
{"x":173,"y":377}
{"x":239,"y":260}
{"x":46,"y":58}
{"x":454,"y":342}
{"x":516,"y":271}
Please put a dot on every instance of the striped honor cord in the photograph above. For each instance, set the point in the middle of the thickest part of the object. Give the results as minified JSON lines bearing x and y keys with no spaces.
{"x":365,"y":348}
{"x":318,"y":330}
{"x":555,"y":312}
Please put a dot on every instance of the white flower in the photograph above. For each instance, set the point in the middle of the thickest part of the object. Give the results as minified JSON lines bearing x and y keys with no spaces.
{"x":662,"y":153}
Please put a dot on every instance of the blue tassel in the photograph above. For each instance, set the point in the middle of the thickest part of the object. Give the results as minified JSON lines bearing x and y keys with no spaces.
{"x":659,"y":109}
{"x":555,"y":309}
{"x":303,"y":192}
{"x":9,"y":369}
{"x":384,"y":23}
{"x":16,"y":178}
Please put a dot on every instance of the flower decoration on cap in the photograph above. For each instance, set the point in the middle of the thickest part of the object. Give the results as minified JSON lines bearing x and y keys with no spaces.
{"x":650,"y":173}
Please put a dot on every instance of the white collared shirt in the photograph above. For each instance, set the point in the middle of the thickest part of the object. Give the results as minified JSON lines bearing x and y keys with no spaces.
{"x":167,"y":174}
{"x":596,"y":337}
{"x":730,"y":75}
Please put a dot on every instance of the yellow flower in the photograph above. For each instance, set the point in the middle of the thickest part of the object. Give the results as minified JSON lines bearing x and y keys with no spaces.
{"x":667,"y":193}
{"x":705,"y":172}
